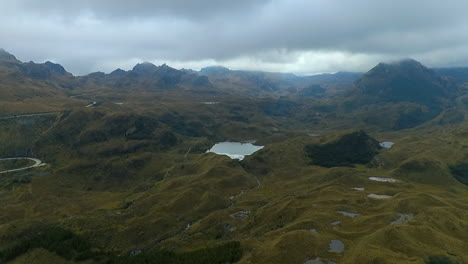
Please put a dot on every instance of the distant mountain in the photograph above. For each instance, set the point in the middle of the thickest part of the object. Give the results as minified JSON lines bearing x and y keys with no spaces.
{"x":258,"y":83}
{"x":24,"y":80}
{"x":249,"y":82}
{"x":400,"y":95}
{"x":459,"y":74}
{"x":48,"y":70}
{"x":147,"y":76}
{"x":4,"y":55}
{"x":404,"y":81}
{"x":334,"y":78}
{"x":214,"y":70}
{"x":20,"y":80}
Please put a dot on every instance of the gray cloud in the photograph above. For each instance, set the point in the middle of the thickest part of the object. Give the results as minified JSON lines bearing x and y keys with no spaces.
{"x":118,"y":9}
{"x":278,"y":35}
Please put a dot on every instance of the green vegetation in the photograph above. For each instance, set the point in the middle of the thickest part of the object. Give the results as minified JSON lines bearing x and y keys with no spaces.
{"x":227,"y":253}
{"x":439,"y":260}
{"x":460,"y":172}
{"x":70,"y":246}
{"x":132,"y":177}
{"x":14,"y":164}
{"x":55,"y":239}
{"x":350,"y":149}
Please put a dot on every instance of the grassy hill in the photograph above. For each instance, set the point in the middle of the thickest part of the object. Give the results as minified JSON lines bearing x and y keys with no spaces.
{"x":128,"y":179}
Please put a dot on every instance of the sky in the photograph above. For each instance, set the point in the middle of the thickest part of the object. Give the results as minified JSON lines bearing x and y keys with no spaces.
{"x":298,"y":36}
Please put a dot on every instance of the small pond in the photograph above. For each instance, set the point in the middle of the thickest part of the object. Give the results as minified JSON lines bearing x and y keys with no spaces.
{"x":352,"y":215}
{"x":336,"y":246}
{"x":387,"y":145}
{"x":380,"y":179}
{"x":379,"y":196}
{"x":235,"y":150}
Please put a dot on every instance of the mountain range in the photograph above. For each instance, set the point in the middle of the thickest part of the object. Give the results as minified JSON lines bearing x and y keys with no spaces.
{"x":349,"y":168}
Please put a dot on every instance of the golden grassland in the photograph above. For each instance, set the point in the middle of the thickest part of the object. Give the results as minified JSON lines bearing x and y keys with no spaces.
{"x":130,"y":193}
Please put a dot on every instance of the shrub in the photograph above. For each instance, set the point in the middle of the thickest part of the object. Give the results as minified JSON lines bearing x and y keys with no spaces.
{"x":55,"y":239}
{"x":70,"y":246}
{"x":227,"y":253}
{"x":439,"y":260}
{"x":352,"y":148}
{"x":460,"y":172}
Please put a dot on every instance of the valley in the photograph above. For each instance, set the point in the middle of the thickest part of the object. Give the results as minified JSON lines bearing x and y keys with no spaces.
{"x":332,"y":168}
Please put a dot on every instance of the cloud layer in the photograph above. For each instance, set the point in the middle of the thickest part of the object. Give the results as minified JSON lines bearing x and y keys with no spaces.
{"x":300,"y":36}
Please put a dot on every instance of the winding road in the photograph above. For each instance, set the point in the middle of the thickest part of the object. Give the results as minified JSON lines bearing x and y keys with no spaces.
{"x":37,"y":163}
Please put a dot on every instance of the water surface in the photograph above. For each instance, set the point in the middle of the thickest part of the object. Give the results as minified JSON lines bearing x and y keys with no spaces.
{"x":352,"y":215}
{"x":336,"y":246}
{"x":235,"y":150}
{"x":380,"y":179}
{"x":379,"y":196}
{"x":387,"y":145}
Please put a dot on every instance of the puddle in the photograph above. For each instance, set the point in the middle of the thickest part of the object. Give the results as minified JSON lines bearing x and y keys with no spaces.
{"x":352,"y":215}
{"x":210,"y":103}
{"x":379,"y":196}
{"x":235,"y":150}
{"x":358,"y":188}
{"x":387,"y":144}
{"x":380,"y":179}
{"x":313,"y":230}
{"x":336,"y":246}
{"x":403,"y":218}
{"x":336,"y":223}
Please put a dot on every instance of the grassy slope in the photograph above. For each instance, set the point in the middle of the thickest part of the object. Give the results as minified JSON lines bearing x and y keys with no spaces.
{"x":153,"y":202}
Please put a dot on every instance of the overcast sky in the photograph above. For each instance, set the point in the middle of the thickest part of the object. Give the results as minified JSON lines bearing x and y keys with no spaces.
{"x":300,"y":36}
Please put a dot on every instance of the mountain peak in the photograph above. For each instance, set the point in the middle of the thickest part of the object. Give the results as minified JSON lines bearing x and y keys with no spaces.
{"x":6,"y":56}
{"x":400,"y":65}
{"x":405,"y":80}
{"x":118,"y":72}
{"x":166,"y":69}
{"x":54,"y":67}
{"x":144,"y":68}
{"x":408,"y":61}
{"x":214,"y":70}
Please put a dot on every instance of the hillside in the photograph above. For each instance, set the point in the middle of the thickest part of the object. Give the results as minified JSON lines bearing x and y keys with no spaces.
{"x":147,"y":76}
{"x":127,"y":176}
{"x":457,"y":74}
{"x":404,"y":81}
{"x":264,"y":83}
{"x":400,"y":95}
{"x":31,"y":87}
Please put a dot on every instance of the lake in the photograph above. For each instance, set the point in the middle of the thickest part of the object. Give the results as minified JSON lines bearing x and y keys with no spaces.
{"x":387,"y":144}
{"x":336,"y":246}
{"x":235,"y":150}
